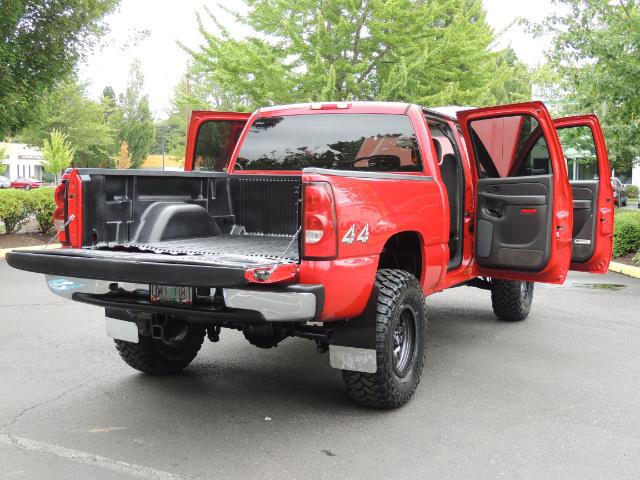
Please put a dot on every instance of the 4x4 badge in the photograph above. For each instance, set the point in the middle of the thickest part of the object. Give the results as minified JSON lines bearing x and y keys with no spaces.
{"x":350,"y":236}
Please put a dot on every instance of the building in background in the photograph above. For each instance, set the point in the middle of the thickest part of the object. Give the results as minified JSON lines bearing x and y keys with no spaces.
{"x":21,"y":161}
{"x":635,"y":175}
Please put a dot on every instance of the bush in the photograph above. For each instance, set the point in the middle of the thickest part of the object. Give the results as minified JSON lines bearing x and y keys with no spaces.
{"x":41,"y":203}
{"x":14,"y":209}
{"x":632,"y":191}
{"x":636,"y":258}
{"x":626,"y":233}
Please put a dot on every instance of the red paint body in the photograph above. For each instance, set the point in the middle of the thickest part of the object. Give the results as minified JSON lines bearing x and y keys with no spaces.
{"x":599,"y":262}
{"x":412,"y":202}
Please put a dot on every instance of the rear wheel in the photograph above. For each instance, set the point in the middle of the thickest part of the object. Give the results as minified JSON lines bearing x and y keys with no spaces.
{"x":27,"y":187}
{"x":511,"y":299}
{"x":163,"y":356}
{"x":401,"y":327}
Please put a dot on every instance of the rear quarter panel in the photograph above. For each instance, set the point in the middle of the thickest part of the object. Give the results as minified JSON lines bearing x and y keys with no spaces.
{"x":387,"y":207}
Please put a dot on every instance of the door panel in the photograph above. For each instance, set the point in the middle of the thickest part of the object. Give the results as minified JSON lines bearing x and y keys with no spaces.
{"x":212,"y":138}
{"x":513,"y":222}
{"x":585,"y":194}
{"x":582,"y":140}
{"x":524,"y":205}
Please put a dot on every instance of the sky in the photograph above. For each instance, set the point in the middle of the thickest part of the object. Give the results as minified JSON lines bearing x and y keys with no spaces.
{"x":166,"y":22}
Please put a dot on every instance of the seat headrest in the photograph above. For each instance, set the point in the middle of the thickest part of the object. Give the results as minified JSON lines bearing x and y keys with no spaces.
{"x":449,"y":158}
{"x":438,"y":147}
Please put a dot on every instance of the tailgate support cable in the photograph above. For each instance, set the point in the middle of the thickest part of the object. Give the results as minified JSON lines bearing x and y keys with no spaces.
{"x":265,"y":274}
{"x":61,"y":229}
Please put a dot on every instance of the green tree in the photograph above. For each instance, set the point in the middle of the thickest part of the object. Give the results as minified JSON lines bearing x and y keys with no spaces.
{"x":195,"y":91}
{"x":136,"y":123}
{"x":58,"y":153}
{"x":436,"y":52}
{"x":594,"y":66}
{"x":40,"y":42}
{"x":67,"y":109}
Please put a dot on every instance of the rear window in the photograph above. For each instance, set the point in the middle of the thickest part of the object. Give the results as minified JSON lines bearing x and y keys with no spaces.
{"x":370,"y":142}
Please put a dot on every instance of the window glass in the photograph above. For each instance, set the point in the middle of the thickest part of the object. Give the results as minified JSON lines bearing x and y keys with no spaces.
{"x":579,"y":150}
{"x":215,"y":143}
{"x":438,"y":136}
{"x":334,"y":141}
{"x":510,"y":147}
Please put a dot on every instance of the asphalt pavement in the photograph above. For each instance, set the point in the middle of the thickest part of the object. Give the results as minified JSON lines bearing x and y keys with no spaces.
{"x":554,"y":397}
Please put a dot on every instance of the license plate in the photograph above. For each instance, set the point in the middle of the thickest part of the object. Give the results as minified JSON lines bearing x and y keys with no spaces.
{"x":163,"y":293}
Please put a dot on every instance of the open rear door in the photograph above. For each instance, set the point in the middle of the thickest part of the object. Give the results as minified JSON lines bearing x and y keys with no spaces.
{"x":524,"y":203}
{"x":589,"y":173}
{"x":212,"y":138}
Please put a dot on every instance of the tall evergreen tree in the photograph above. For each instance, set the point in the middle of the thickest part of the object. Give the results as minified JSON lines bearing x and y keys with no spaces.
{"x":436,"y":52}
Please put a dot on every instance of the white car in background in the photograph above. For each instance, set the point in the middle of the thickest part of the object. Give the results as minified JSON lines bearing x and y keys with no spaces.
{"x":5,"y":182}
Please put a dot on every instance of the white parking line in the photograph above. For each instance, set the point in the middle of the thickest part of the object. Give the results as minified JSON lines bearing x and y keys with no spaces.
{"x":85,"y":458}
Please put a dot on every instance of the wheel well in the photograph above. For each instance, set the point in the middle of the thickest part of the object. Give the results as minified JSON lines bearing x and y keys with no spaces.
{"x":403,"y":251}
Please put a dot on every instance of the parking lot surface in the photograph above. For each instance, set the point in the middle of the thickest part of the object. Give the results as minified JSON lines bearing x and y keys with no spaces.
{"x":554,"y":397}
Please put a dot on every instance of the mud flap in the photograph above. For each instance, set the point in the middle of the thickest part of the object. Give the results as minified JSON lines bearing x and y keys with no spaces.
{"x":353,"y":346}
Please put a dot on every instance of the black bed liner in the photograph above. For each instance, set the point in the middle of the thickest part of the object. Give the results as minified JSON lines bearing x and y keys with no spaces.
{"x":264,"y":246}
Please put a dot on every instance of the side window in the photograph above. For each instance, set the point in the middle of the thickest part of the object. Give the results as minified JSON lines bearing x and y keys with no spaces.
{"x":579,"y":148}
{"x":214,"y":145}
{"x":510,"y":147}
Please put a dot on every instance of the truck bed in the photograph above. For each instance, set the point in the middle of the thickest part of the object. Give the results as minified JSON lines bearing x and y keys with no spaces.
{"x":176,"y":228}
{"x":270,"y":247}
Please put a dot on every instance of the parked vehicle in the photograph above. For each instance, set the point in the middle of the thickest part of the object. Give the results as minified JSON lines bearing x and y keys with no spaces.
{"x":619,"y":192}
{"x":5,"y":182}
{"x":26,"y":183}
{"x":329,"y":222}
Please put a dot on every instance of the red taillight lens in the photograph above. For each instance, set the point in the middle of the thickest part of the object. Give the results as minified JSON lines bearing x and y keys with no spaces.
{"x":320,"y":229}
{"x":58,"y":213}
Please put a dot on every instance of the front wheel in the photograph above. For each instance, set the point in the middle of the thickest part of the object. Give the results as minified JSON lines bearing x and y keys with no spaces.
{"x":163,"y":356}
{"x":27,"y":187}
{"x":511,"y":299}
{"x":401,"y":332}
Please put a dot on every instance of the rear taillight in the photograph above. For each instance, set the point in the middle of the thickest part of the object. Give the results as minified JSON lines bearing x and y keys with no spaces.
{"x":67,"y":216}
{"x":59,"y":212}
{"x":320,"y":235}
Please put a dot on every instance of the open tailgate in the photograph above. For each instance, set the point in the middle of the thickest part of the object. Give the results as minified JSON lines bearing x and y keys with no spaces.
{"x":197,"y":270}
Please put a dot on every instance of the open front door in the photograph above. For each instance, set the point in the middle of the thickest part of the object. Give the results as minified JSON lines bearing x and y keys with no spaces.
{"x":524,"y":203}
{"x":589,"y":175}
{"x":212,"y":138}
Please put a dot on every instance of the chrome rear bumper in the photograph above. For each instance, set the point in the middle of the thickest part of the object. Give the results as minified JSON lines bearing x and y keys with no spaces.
{"x":290,"y":303}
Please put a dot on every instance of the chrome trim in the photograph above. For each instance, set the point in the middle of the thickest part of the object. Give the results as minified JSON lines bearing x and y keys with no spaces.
{"x":65,"y":287}
{"x":274,"y":306}
{"x":420,"y":177}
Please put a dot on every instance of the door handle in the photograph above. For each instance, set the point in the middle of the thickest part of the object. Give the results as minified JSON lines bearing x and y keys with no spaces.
{"x":515,"y":199}
{"x":492,"y":213}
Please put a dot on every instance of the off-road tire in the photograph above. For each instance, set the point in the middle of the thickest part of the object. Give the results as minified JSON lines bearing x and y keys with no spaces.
{"x":157,"y":357}
{"x":511,"y":299}
{"x":399,"y":295}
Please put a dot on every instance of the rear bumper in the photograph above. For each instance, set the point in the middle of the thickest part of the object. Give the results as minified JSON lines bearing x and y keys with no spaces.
{"x":291,"y":303}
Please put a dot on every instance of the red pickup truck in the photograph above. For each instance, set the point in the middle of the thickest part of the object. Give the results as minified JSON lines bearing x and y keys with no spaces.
{"x":332,"y":222}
